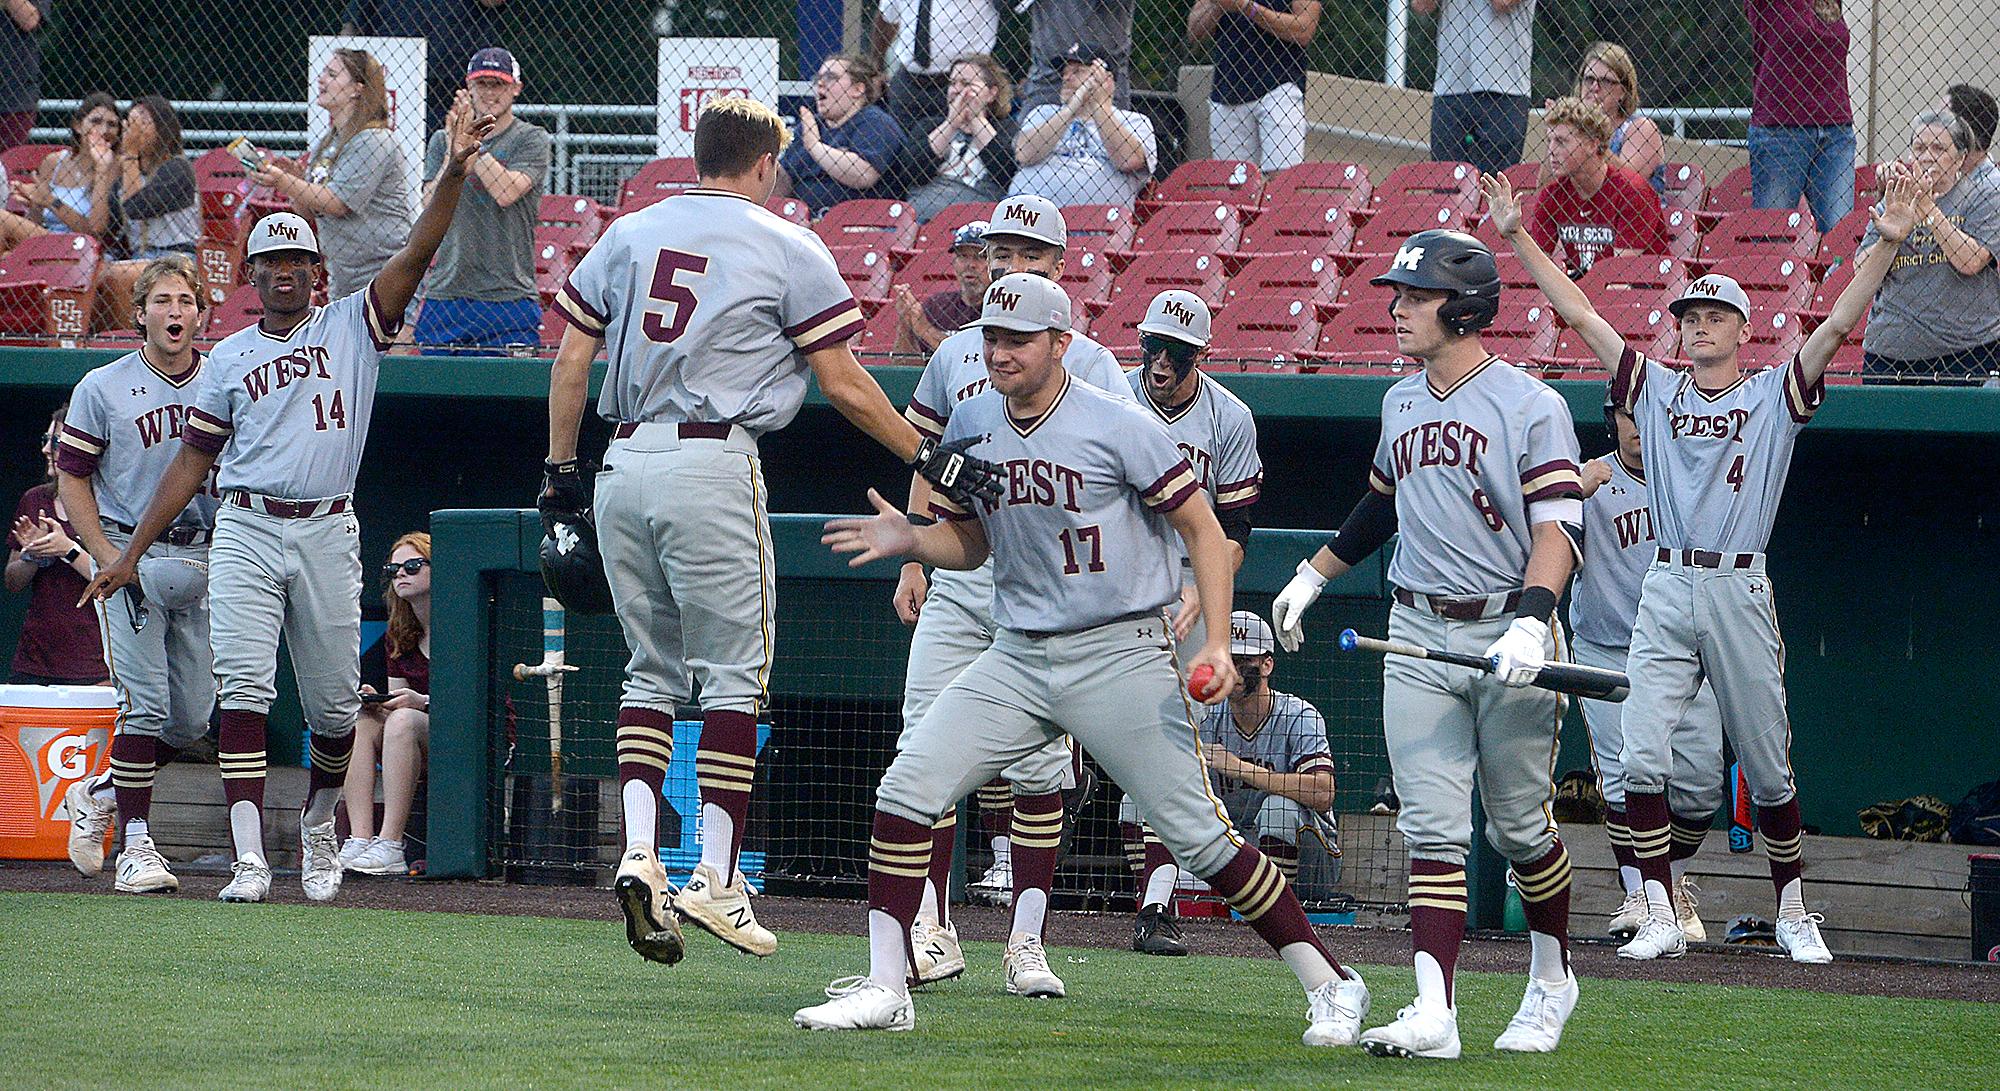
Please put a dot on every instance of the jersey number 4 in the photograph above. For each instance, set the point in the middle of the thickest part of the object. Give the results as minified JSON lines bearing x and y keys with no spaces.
{"x":1077,"y":540}
{"x":667,"y":326}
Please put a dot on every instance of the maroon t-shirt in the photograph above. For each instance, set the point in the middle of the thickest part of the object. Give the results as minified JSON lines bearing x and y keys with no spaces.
{"x":1801,"y":59}
{"x":59,"y":639}
{"x":414,"y":668}
{"x":1624,"y":214}
{"x":949,"y":311}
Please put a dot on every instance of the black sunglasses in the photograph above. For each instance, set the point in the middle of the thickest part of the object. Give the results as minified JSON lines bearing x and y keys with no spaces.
{"x":408,"y":568}
{"x":1177,"y":350}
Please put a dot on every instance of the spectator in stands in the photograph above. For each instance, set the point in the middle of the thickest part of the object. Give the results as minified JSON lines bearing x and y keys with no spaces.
{"x":1976,"y":107}
{"x":397,"y":727}
{"x":59,"y":644}
{"x":1085,"y":151}
{"x":154,"y":200}
{"x":844,"y":150}
{"x":1104,"y":27}
{"x":920,"y":39}
{"x":1257,"y":97}
{"x":1484,"y":50}
{"x":1801,"y":123}
{"x":1609,"y":79}
{"x":21,"y":68}
{"x":1936,"y":317}
{"x":969,"y":154}
{"x":71,"y":190}
{"x":455,"y":28}
{"x":921,"y":326}
{"x":352,"y":182}
{"x":481,"y":293}
{"x":1591,"y":207}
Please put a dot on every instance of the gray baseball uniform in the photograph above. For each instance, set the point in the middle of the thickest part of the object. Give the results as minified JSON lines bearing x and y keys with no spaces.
{"x":1470,"y":470}
{"x":122,"y":430}
{"x":956,"y":623}
{"x":706,"y":341}
{"x":1618,"y":545}
{"x":1716,"y":463}
{"x":1292,"y":739}
{"x":1219,"y":437}
{"x":1083,"y":569}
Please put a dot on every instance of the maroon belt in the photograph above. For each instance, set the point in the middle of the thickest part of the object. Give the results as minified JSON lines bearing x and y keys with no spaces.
{"x":1458,"y":609}
{"x":687,"y":430}
{"x":288,"y":509}
{"x":1702,"y":558}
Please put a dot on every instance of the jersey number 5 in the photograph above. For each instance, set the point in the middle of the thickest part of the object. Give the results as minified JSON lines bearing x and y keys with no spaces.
{"x":1075,"y":541}
{"x":666,"y":327}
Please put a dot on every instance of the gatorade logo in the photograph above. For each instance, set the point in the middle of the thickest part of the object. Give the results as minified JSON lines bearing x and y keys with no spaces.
{"x":1005,"y":299}
{"x":69,"y":758}
{"x":1022,"y":215}
{"x":1409,"y":257}
{"x":1179,"y":312}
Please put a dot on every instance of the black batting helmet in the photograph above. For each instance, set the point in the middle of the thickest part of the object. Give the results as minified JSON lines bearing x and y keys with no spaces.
{"x":573,"y":570}
{"x":1455,"y":262}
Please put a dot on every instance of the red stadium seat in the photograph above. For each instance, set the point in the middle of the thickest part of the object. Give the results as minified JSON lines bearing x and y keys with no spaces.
{"x":1355,"y":286}
{"x":1514,"y":274}
{"x":878,"y":338}
{"x":1683,"y":233}
{"x":1827,"y":292}
{"x":870,"y":222}
{"x":47,"y":287}
{"x":1455,"y":184}
{"x":1391,"y":224}
{"x":1867,"y":187}
{"x":22,"y":160}
{"x":1299,"y":228}
{"x":1487,"y":233}
{"x":1151,"y":274}
{"x":1203,"y":227}
{"x":935,"y":233}
{"x":1232,"y":181}
{"x":791,"y":208}
{"x":1841,"y":245}
{"x":1311,"y":277}
{"x":1646,"y":326}
{"x":1523,"y":332}
{"x":929,"y":272}
{"x":1116,"y":327}
{"x":1086,"y":274}
{"x":1266,"y":329}
{"x":576,"y":238}
{"x":1360,"y":337}
{"x":243,"y":308}
{"x":222,"y":189}
{"x":1761,"y":231}
{"x":553,"y":262}
{"x":657,"y":180}
{"x":1102,"y":227}
{"x":563,"y":210}
{"x":1775,"y":337}
{"x":1526,"y":178}
{"x":551,"y":329}
{"x":1345,"y":184}
{"x":1687,"y":186}
{"x":866,"y":271}
{"x":1652,"y":275}
{"x":1771,"y":279}
{"x":1732,"y":194}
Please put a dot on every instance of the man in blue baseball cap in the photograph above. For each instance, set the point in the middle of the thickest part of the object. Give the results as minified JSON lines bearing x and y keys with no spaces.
{"x":921,"y":326}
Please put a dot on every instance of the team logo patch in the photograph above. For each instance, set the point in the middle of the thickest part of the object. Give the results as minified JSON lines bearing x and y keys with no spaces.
{"x":1409,"y":257}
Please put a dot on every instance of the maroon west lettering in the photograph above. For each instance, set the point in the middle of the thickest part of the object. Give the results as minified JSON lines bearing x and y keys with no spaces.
{"x":159,"y":424}
{"x":1634,"y":526}
{"x":1446,"y":443}
{"x":1197,"y":458}
{"x":1727,"y":426}
{"x":1039,"y":481}
{"x":308,"y":362}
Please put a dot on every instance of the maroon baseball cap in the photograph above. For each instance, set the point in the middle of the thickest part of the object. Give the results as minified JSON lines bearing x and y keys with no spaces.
{"x":494,"y":61}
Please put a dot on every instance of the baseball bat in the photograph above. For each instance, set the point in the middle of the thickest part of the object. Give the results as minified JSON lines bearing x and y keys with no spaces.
{"x":1592,"y":682}
{"x":1742,"y":815}
{"x":551,"y":669}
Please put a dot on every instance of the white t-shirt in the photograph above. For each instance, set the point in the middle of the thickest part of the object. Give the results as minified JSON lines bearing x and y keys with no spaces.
{"x":958,"y":27}
{"x":1079,"y":171}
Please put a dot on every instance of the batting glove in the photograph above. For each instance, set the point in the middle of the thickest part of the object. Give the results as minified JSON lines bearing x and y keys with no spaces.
{"x":1518,"y":655}
{"x":565,"y":494}
{"x":1288,"y":611}
{"x":956,"y":474}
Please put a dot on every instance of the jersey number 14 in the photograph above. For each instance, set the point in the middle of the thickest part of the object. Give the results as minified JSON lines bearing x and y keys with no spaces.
{"x":329,"y":413}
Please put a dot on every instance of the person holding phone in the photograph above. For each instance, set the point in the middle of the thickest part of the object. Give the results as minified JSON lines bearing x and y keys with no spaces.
{"x":395,"y":725}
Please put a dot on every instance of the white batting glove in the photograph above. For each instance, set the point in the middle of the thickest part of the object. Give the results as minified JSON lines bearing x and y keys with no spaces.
{"x":1288,"y":611}
{"x":1518,"y":656}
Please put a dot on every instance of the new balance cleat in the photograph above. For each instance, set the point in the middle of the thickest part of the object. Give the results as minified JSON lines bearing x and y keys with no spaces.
{"x":858,"y":1003}
{"x":89,"y":820}
{"x":1334,"y":1012}
{"x":1419,"y":1031}
{"x":647,"y":902}
{"x":724,"y":912}
{"x":938,"y":955}
{"x":142,"y":870}
{"x":1538,"y":1025}
{"x":319,"y":862}
{"x":1028,"y":972}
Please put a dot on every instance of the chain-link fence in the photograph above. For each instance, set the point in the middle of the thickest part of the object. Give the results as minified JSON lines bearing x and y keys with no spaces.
{"x":1267,"y":154}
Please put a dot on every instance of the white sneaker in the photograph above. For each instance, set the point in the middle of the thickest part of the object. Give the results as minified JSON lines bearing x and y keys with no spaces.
{"x":858,"y":1003}
{"x":1800,"y":939}
{"x":1538,"y":1025}
{"x":724,"y":912}
{"x":250,"y":881}
{"x":352,"y":848}
{"x":1028,"y":972}
{"x":1334,"y":1012}
{"x":939,"y":957}
{"x":1631,"y":914}
{"x":142,"y":870}
{"x":996,"y":887}
{"x":381,"y":858}
{"x":1685,"y":904}
{"x":1419,"y":1031}
{"x":1658,"y":937}
{"x":319,"y":862}
{"x":646,"y":898}
{"x":88,"y":822}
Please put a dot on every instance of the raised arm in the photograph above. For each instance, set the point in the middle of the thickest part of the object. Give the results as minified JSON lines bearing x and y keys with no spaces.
{"x":397,"y":283}
{"x":1892,"y":225}
{"x":1562,"y":292}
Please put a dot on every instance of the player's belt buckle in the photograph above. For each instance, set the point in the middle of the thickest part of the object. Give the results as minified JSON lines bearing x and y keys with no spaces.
{"x":1702,"y":558}
{"x":1475,"y":608}
{"x":279,"y":508}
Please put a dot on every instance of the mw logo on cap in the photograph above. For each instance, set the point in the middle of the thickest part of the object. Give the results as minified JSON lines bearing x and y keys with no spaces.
{"x":1178,"y":311}
{"x":1409,"y":257}
{"x":287,"y":230}
{"x":1022,"y":215}
{"x":1240,"y":633}
{"x":1006,"y":299}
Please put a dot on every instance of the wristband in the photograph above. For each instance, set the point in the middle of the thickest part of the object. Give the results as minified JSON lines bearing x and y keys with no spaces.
{"x":1537,"y":603}
{"x":71,"y":556}
{"x":1311,"y":575}
{"x":919,"y":520}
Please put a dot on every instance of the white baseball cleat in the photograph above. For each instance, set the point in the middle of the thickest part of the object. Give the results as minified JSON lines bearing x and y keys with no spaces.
{"x":1028,"y":972}
{"x":858,"y":1003}
{"x":381,"y":858}
{"x":1420,"y":1030}
{"x":1631,"y":914}
{"x":88,"y":821}
{"x":1685,"y":904}
{"x":1334,"y":1012}
{"x":250,"y":881}
{"x":352,"y":848}
{"x":996,"y":887}
{"x":142,"y":870}
{"x":646,"y":899}
{"x":319,"y":862}
{"x":1657,"y":937}
{"x":1538,"y":1025}
{"x":938,"y":955}
{"x":724,"y":912}
{"x":1800,"y":939}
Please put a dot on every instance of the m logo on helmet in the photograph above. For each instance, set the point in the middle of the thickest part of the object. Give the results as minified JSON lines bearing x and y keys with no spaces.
{"x":1409,"y":257}
{"x":1006,"y":299}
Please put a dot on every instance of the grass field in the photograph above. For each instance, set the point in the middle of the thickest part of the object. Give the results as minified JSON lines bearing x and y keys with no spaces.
{"x":107,"y":992}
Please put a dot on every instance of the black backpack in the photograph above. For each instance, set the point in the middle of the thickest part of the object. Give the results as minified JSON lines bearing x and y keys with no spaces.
{"x":1976,"y":819}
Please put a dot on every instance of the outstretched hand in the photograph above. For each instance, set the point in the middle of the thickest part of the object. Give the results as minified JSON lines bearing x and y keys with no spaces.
{"x":1901,"y":196}
{"x":463,"y":133}
{"x":1501,"y":203}
{"x":888,"y":534}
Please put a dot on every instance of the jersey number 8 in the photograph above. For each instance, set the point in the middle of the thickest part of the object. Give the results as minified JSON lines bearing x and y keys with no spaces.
{"x":667,"y":328}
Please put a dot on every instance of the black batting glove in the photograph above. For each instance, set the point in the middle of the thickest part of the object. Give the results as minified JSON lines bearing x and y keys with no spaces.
{"x":956,"y":474}
{"x":566,"y":492}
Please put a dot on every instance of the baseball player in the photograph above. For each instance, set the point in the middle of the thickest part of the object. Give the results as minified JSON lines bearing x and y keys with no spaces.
{"x":1618,"y":544}
{"x":1268,"y":761}
{"x":123,"y":427}
{"x":1083,"y":552}
{"x":714,"y":310}
{"x":1718,"y":445}
{"x":1477,"y":467}
{"x":281,"y":414}
{"x":954,"y":614}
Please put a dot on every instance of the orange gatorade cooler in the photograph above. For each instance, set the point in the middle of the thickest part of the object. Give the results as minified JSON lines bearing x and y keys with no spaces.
{"x":50,"y":737}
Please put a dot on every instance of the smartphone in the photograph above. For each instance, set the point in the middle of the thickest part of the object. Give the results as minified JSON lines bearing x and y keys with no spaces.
{"x":246,"y":153}
{"x":373,"y":698}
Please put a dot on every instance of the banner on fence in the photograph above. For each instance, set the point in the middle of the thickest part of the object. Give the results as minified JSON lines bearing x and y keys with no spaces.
{"x":694,"y":70}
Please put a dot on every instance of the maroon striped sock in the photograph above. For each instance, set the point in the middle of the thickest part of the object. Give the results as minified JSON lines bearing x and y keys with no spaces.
{"x":996,"y":808}
{"x":134,"y":759}
{"x":1784,"y":841}
{"x":1544,"y":885}
{"x":645,"y":745}
{"x":1688,"y":834}
{"x":944,"y":843}
{"x":1157,"y":857}
{"x":239,"y":752}
{"x":1134,"y":841}
{"x":1255,"y":889}
{"x":1652,"y":841}
{"x":898,"y":865}
{"x":1437,"y":915}
{"x":1036,"y":834}
{"x":1620,"y":835}
{"x":725,"y":767}
{"x":1284,"y":856}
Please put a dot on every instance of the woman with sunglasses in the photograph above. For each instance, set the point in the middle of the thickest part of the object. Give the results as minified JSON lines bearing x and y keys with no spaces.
{"x":396,"y":725}
{"x":1608,"y":78}
{"x":59,"y":644}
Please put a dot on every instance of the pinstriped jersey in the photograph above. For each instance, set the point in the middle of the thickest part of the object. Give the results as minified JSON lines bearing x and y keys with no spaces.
{"x":288,"y":416}
{"x":1716,"y":461}
{"x":122,"y":429}
{"x":1617,"y":547}
{"x":1078,"y":536}
{"x":957,"y":371}
{"x":1219,"y":437}
{"x":708,"y":303}
{"x":1463,"y":465}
